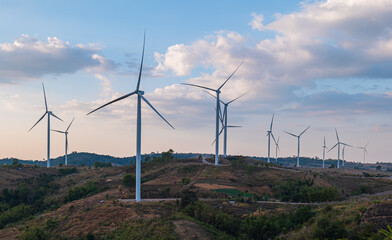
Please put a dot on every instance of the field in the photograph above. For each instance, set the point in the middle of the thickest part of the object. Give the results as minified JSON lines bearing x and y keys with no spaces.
{"x":187,"y":199}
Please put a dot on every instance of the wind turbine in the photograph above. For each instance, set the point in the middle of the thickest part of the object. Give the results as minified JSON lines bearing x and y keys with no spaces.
{"x":276,"y":149}
{"x":324,"y":147}
{"x":364,"y":151}
{"x":217,"y":91}
{"x":299,"y":137}
{"x":269,"y":134}
{"x":49,"y":113}
{"x":338,"y":144}
{"x":224,"y":122}
{"x":66,"y":141}
{"x":140,"y":96}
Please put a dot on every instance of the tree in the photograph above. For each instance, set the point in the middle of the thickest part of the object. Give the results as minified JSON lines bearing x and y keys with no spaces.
{"x":129,"y":180}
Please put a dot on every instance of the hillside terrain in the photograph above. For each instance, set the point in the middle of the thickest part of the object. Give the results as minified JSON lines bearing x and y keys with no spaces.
{"x":244,"y":198}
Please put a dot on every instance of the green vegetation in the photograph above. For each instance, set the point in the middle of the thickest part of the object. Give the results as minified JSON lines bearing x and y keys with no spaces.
{"x":129,"y":180}
{"x":251,"y":227}
{"x":67,"y":171}
{"x":165,"y":156}
{"x":304,"y":191}
{"x":86,"y":190}
{"x":102,"y":164}
{"x":234,"y":193}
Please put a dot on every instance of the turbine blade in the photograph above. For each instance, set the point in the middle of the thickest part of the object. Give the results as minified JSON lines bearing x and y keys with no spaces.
{"x":38,"y":121}
{"x":324,"y":141}
{"x":291,"y":134}
{"x":218,"y":135}
{"x":46,"y":104}
{"x":149,"y":104}
{"x":230,"y":76}
{"x":232,"y":126}
{"x":366,"y":144}
{"x":57,"y":131}
{"x":337,"y":136}
{"x":194,"y":85}
{"x":332,"y":147}
{"x":304,"y":131}
{"x":273,"y":138}
{"x":115,"y":100}
{"x":345,"y":144}
{"x":209,"y":94}
{"x":238,"y":97}
{"x":56,"y":116}
{"x":272,"y":121}
{"x":70,"y":124}
{"x":141,"y":63}
{"x":66,"y":142}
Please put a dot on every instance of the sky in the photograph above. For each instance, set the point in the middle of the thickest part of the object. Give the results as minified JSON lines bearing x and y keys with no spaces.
{"x":324,"y":64}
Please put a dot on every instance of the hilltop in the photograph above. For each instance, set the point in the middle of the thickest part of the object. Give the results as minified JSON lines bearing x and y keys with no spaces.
{"x":88,"y":159}
{"x":243,"y":198}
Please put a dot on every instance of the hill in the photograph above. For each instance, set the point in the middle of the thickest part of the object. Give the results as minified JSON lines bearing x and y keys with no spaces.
{"x":88,"y":159}
{"x":244,"y":198}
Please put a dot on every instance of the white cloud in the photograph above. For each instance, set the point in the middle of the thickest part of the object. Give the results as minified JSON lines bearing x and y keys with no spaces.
{"x":29,"y":58}
{"x":257,"y":22}
{"x":332,"y":39}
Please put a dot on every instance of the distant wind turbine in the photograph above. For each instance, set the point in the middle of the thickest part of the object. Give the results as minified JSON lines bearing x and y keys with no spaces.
{"x":299,"y":140}
{"x":217,"y":91}
{"x":140,"y":96}
{"x":364,"y":152}
{"x":338,"y":145}
{"x":66,"y":141}
{"x":50,"y":113}
{"x":324,"y":147}
{"x":224,"y":122}
{"x":269,"y":134}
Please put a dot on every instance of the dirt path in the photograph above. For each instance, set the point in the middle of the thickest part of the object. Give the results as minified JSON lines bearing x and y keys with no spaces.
{"x":189,"y":230}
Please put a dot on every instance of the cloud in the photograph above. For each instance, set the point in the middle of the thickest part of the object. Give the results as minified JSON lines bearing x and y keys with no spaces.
{"x":332,"y":39}
{"x":257,"y":22}
{"x":28,"y":58}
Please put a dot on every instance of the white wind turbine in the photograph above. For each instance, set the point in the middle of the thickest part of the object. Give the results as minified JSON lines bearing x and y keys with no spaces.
{"x":338,"y":145}
{"x":299,"y":137}
{"x":324,"y":147}
{"x":269,"y":134}
{"x":364,"y":151}
{"x":140,"y":96}
{"x":50,"y":113}
{"x":224,"y":122}
{"x":217,"y":91}
{"x":66,"y":141}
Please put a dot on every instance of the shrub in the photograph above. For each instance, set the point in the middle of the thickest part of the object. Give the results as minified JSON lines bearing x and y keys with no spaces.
{"x":188,"y":197}
{"x":129,"y":180}
{"x":79,"y":192}
{"x":185,"y":181}
{"x":66,"y":171}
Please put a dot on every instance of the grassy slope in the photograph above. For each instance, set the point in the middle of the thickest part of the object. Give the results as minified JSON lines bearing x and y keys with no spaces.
{"x":113,"y":218}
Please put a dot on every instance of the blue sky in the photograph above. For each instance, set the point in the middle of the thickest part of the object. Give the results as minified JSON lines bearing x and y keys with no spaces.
{"x":320,"y":63}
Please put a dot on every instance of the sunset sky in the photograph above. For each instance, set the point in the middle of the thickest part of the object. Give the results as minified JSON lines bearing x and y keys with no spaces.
{"x":327,"y":64}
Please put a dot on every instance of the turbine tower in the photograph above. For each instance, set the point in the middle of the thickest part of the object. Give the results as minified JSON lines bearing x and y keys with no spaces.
{"x":217,"y":91}
{"x":299,"y":139}
{"x":224,"y":122}
{"x":49,"y":113}
{"x":269,"y":134}
{"x":338,"y":145}
{"x":324,"y":147}
{"x":140,"y":96}
{"x":364,"y":151}
{"x":66,"y":141}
